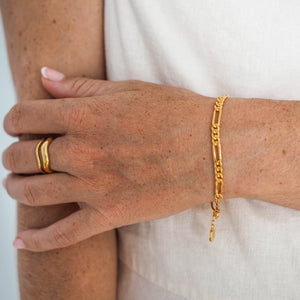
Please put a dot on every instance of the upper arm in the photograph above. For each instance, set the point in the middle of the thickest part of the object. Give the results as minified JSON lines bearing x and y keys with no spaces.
{"x":68,"y":36}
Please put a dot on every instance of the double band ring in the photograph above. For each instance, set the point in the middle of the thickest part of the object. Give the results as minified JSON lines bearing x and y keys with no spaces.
{"x":44,"y":161}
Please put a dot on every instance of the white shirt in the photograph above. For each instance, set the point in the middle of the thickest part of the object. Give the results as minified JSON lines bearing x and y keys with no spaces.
{"x":213,"y":47}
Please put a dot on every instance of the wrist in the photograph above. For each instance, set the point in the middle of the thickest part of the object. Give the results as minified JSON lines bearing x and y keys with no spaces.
{"x":259,"y":145}
{"x":231,"y":131}
{"x":202,"y":176}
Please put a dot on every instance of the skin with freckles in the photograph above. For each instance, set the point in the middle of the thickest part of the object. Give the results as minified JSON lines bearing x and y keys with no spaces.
{"x":260,"y":150}
{"x":53,"y":34}
{"x":107,"y":153}
{"x":132,"y":151}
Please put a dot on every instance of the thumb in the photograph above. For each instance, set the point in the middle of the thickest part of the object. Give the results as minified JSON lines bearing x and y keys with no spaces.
{"x":61,"y":86}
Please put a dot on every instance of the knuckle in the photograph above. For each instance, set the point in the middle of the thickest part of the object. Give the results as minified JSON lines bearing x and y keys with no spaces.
{"x":36,"y":242}
{"x":60,"y":238}
{"x":82,"y":86}
{"x":74,"y":149}
{"x":88,"y":163}
{"x":84,"y":157}
{"x":87,"y":166}
{"x":94,"y":159}
{"x":76,"y":114}
{"x":12,"y":120}
{"x":10,"y":159}
{"x":79,"y":153}
{"x":29,"y":195}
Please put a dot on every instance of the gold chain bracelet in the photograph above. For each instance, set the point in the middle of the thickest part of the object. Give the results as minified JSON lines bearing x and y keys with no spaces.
{"x":217,"y":156}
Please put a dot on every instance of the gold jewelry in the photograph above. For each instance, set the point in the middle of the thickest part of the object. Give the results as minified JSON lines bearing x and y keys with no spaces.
{"x":37,"y":149}
{"x":45,"y":155}
{"x":217,"y":157}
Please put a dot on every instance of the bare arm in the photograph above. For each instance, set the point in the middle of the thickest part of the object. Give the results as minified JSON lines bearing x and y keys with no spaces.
{"x":261,"y":146}
{"x":67,"y":35}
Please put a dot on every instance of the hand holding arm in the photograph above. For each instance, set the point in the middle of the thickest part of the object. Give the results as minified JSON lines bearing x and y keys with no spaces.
{"x":139,"y":151}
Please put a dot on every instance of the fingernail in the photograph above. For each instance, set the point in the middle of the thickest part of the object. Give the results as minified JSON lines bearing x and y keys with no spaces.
{"x":19,"y":244}
{"x":52,"y":74}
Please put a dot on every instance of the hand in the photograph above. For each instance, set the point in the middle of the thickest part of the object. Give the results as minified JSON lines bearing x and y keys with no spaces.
{"x":127,"y":152}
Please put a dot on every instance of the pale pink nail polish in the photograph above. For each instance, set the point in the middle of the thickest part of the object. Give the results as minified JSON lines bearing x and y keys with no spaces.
{"x":18,"y":244}
{"x":52,"y":74}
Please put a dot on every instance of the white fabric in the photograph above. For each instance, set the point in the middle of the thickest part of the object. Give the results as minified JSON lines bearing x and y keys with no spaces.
{"x":245,"y":49}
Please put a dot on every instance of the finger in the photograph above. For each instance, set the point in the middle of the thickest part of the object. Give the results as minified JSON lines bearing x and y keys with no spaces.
{"x":40,"y":190}
{"x":20,"y":157}
{"x":47,"y":116}
{"x":70,"y":230}
{"x":61,"y":86}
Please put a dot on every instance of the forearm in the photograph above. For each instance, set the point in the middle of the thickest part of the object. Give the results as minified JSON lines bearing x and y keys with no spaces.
{"x":261,"y":150}
{"x":54,"y":34}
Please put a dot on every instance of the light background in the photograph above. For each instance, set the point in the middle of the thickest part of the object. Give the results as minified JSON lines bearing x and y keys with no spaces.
{"x":8,"y":255}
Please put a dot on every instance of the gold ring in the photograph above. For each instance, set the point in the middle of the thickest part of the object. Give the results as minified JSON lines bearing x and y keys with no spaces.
{"x":44,"y":163}
{"x":45,"y":155}
{"x":37,"y":149}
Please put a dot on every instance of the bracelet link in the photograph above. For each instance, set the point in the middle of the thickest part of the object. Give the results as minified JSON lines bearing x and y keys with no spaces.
{"x":217,"y":158}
